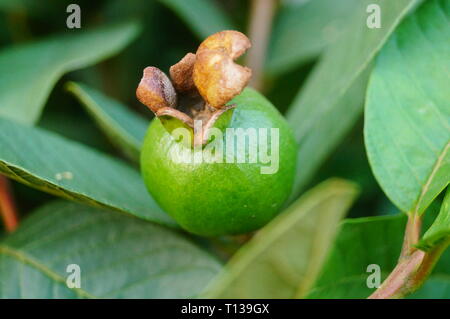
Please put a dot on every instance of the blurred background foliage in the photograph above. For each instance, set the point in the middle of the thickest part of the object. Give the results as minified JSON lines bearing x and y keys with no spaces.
{"x":171,"y":28}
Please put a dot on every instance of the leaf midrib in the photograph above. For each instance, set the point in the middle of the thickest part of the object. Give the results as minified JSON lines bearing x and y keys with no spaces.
{"x":426,"y":186}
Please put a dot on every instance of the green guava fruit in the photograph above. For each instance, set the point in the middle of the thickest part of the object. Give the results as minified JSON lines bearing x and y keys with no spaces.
{"x":211,"y":199}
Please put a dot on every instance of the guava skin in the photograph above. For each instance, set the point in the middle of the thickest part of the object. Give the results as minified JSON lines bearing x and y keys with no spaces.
{"x":212,"y":199}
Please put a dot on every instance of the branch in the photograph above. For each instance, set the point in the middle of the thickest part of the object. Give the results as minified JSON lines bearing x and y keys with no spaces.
{"x":414,"y":265}
{"x":427,"y":266}
{"x":8,"y":210}
{"x":261,"y":16}
{"x":395,"y":284}
{"x":412,"y":235}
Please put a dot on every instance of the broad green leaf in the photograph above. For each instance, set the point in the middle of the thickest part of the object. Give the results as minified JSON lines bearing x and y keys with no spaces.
{"x":440,"y":230}
{"x":283,"y":259}
{"x":125,"y":129}
{"x":118,"y":257}
{"x":332,"y":98}
{"x":29,"y":71}
{"x":371,"y":241}
{"x":407,"y":118}
{"x":56,"y":165}
{"x":302,"y":30}
{"x":202,"y":16}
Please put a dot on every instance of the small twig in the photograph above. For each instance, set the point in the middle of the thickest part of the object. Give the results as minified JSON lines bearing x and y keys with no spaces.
{"x":261,"y":16}
{"x":395,"y":283}
{"x":414,"y":265}
{"x":412,"y":235}
{"x":7,"y":206}
{"x":428,"y":263}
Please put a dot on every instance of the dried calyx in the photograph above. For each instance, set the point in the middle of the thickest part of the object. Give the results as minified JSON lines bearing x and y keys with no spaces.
{"x":200,"y":84}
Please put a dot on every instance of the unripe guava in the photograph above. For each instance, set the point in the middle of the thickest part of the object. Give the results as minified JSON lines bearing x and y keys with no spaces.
{"x":211,"y":199}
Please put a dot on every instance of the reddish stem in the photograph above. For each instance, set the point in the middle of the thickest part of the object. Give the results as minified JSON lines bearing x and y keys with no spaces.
{"x":414,"y":265}
{"x":395,"y":284}
{"x":7,"y":206}
{"x":261,"y":16}
{"x":412,"y":235}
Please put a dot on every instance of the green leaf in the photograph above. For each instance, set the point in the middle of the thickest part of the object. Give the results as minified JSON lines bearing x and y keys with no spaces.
{"x":79,"y":128}
{"x":332,"y":98}
{"x":30,"y":71}
{"x":436,"y":287}
{"x":371,"y":240}
{"x":407,"y":119}
{"x":440,"y":230}
{"x":125,"y":129}
{"x":283,"y":259}
{"x":302,"y":31}
{"x":56,"y":165}
{"x":360,"y":243}
{"x":202,"y":16}
{"x":118,"y":256}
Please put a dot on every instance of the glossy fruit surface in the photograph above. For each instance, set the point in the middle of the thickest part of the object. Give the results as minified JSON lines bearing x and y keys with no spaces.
{"x":211,"y":199}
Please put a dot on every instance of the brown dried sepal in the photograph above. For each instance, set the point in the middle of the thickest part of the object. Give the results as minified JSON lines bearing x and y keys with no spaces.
{"x":181,"y":74}
{"x":155,"y":90}
{"x":201,"y":85}
{"x":216,"y":76}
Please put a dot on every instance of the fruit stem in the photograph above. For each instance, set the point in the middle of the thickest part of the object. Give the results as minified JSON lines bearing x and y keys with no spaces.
{"x":8,"y":209}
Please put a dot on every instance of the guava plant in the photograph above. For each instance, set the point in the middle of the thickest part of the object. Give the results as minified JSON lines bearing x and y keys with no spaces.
{"x":341,"y":206}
